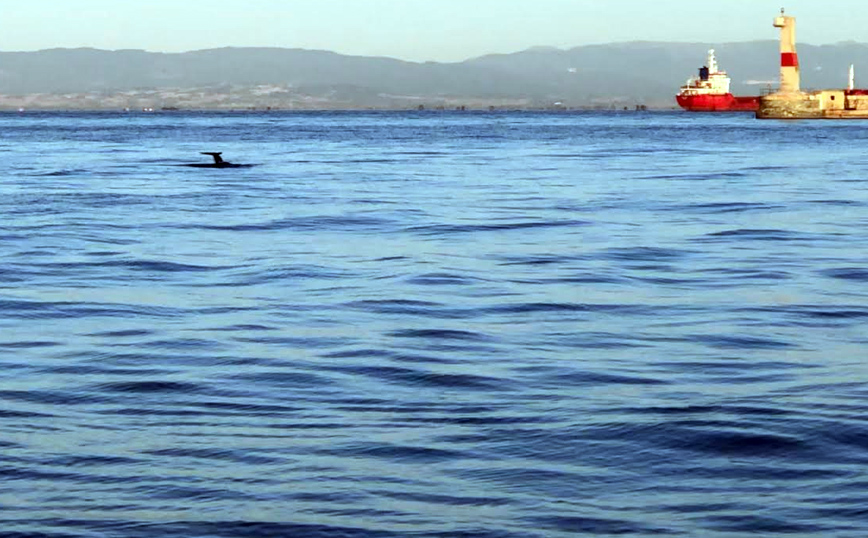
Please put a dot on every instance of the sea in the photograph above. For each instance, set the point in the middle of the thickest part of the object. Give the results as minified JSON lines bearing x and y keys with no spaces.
{"x":432,"y":325}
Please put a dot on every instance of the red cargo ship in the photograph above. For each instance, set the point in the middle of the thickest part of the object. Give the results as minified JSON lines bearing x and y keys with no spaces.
{"x":709,"y":92}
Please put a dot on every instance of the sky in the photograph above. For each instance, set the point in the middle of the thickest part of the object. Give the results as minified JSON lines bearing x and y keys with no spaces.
{"x":415,"y":30}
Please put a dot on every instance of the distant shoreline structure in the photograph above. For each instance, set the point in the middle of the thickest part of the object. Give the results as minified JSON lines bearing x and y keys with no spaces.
{"x":790,"y":101}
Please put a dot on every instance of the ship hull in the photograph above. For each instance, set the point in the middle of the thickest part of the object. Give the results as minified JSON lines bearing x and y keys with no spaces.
{"x":718,"y":103}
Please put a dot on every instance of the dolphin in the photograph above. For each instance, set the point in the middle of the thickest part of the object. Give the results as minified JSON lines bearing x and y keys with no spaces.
{"x":218,"y":162}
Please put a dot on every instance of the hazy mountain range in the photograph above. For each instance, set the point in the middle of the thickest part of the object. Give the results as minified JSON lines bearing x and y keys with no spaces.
{"x":622,"y":74}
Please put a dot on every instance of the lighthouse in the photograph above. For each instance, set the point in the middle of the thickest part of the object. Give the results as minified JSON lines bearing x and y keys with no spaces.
{"x":790,"y":80}
{"x":790,"y":102}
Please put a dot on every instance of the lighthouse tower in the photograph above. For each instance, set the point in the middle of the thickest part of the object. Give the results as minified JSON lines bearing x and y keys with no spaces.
{"x":790,"y":80}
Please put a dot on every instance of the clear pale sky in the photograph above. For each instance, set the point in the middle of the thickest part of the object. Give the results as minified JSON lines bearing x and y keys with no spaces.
{"x":418,"y":30}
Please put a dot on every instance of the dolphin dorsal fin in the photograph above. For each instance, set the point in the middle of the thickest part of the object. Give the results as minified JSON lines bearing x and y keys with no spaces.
{"x":216,"y":154}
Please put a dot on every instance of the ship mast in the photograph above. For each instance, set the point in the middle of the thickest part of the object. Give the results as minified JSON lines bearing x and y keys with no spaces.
{"x":712,"y":62}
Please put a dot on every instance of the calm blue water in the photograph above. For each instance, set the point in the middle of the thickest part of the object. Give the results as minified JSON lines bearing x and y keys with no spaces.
{"x":433,"y":325}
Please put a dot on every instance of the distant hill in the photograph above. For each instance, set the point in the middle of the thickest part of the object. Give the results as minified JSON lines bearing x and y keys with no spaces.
{"x":599,"y":75}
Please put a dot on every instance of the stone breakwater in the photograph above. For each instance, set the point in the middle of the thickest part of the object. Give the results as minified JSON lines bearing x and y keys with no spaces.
{"x":823,"y":104}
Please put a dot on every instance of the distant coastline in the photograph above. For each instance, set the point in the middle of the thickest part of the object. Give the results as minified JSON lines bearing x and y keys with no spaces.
{"x":248,"y":99}
{"x":598,"y":77}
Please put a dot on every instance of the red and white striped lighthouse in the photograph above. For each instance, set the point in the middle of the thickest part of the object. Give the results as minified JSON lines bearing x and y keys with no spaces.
{"x":790,"y":80}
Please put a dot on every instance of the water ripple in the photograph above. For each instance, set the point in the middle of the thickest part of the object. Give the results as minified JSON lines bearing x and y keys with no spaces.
{"x":432,"y":324}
